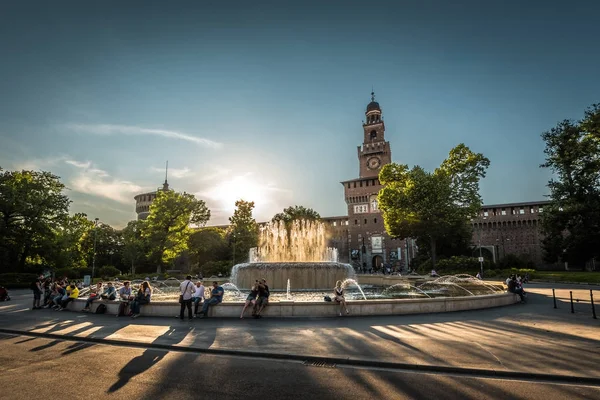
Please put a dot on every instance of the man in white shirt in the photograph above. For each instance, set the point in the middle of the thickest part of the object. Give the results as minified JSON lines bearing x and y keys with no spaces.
{"x":186,"y":290}
{"x":198,"y":296}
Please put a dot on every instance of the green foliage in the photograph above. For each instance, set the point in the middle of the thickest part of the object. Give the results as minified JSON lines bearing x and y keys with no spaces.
{"x":502,"y":274}
{"x":208,"y":244}
{"x":571,"y":224}
{"x":108,"y":271}
{"x":454,"y":265}
{"x":167,"y":227}
{"x":243,"y":231}
{"x":431,"y":206}
{"x":294,"y":213}
{"x":213,"y":268}
{"x":71,"y":273}
{"x":17,"y":280}
{"x":134,"y":246}
{"x":32,"y":207}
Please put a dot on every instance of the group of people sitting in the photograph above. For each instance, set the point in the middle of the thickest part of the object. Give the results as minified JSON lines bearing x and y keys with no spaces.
{"x":56,"y":294}
{"x":129,"y":304}
{"x":515,"y":285}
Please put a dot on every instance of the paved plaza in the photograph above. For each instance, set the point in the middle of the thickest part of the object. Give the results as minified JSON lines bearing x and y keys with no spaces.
{"x":452,"y":355}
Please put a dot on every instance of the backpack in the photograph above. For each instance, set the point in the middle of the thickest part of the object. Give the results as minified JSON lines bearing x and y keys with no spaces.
{"x":101,"y":309}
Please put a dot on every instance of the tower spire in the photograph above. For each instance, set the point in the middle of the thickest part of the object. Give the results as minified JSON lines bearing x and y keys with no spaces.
{"x":166,"y":184}
{"x":372,"y":93}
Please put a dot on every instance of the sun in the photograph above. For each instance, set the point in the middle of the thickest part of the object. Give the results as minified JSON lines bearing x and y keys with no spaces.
{"x":239,"y":187}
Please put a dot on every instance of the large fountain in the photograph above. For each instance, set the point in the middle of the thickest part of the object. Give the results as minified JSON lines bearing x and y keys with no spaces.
{"x":296,"y":252}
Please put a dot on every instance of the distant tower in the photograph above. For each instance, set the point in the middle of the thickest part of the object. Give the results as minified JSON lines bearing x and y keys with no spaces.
{"x":166,"y":184}
{"x":375,"y":151}
{"x":144,"y":200}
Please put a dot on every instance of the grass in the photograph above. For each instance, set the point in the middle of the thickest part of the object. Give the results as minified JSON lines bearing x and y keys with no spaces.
{"x":568,"y":276}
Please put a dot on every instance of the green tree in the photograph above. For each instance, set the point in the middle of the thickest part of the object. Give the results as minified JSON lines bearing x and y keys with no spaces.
{"x":294,"y":213}
{"x":571,"y":223}
{"x":67,"y":249}
{"x":207,"y":245}
{"x":134,"y":246}
{"x":167,"y":228}
{"x":32,"y":206}
{"x":243,"y":230}
{"x":431,"y":205}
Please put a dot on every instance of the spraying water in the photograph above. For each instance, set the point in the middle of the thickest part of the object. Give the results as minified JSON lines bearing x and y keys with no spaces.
{"x":348,"y":282}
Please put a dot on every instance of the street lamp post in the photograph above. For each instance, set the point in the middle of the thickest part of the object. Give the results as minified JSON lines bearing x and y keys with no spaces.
{"x":94,"y":256}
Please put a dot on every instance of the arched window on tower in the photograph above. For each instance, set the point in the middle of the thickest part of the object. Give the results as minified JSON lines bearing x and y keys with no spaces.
{"x":373,"y":135}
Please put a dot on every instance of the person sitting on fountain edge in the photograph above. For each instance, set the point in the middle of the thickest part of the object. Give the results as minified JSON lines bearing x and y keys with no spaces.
{"x":338,"y":292}
{"x":216,"y":296}
{"x":514,"y":287}
{"x":263,"y":298}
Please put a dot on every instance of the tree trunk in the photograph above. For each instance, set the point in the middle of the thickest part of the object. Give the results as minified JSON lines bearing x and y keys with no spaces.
{"x":433,"y":251}
{"x":24,"y":255}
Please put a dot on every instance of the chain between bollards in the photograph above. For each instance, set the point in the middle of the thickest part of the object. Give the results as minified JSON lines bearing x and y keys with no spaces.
{"x":593,"y":307}
{"x":572,"y":307}
{"x":554,"y":298}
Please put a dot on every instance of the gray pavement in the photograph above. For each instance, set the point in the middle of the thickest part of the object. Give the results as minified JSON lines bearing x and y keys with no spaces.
{"x":523,"y":338}
{"x":32,"y":366}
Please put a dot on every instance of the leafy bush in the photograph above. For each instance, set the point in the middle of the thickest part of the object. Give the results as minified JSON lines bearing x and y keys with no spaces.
{"x":455,"y":265}
{"x":71,"y":273}
{"x":108,"y":271}
{"x":505,"y":273}
{"x":17,"y":280}
{"x":213,"y":268}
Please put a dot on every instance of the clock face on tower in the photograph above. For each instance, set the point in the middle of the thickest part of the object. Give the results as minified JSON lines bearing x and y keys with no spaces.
{"x":373,"y":163}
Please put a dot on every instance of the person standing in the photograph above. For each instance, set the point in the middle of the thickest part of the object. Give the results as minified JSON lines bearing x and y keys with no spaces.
{"x":36,"y":287}
{"x":186,"y":290}
{"x":198,"y":296}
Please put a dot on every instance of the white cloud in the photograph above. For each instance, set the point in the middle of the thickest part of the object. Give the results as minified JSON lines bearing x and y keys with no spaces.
{"x":99,"y":183}
{"x":175,"y":172}
{"x":38,"y":164}
{"x":108,"y":129}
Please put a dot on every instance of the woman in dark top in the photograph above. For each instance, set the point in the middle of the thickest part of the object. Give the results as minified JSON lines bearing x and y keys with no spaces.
{"x":143,"y":297}
{"x":251,"y":299}
{"x":338,"y":292}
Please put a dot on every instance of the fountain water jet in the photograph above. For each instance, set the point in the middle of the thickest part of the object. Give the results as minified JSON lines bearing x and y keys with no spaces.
{"x":298,"y":252}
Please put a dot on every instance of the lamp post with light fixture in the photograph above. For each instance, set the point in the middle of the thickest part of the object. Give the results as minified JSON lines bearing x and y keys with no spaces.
{"x":94,"y":255}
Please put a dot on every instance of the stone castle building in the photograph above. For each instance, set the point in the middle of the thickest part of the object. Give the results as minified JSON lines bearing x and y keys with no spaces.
{"x":144,"y":200}
{"x":360,"y":236}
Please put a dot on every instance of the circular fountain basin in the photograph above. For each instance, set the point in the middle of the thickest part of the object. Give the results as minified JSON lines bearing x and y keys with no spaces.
{"x":302,"y":275}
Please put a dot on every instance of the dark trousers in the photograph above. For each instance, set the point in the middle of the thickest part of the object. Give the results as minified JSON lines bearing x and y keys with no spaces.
{"x":197,"y":301}
{"x":186,"y":304}
{"x":66,"y":302}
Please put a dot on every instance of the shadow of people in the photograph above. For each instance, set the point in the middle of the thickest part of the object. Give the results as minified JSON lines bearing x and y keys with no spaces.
{"x":137,"y":366}
{"x":148,"y":358}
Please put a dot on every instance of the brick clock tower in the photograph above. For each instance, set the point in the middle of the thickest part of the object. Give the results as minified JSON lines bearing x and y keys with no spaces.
{"x":369,"y":245}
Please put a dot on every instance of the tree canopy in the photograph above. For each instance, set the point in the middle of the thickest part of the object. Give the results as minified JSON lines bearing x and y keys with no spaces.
{"x":167,"y":228}
{"x":32,"y":207}
{"x":294,"y":213}
{"x":571,"y":223}
{"x":243,"y":231}
{"x":431,"y":205}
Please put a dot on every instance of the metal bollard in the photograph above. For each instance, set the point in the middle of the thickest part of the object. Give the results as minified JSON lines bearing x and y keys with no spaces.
{"x":593,"y":307}
{"x":572,"y":307}
{"x":554,"y":298}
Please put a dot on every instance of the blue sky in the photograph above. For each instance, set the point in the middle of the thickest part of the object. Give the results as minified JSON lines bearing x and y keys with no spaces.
{"x":264,"y":100}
